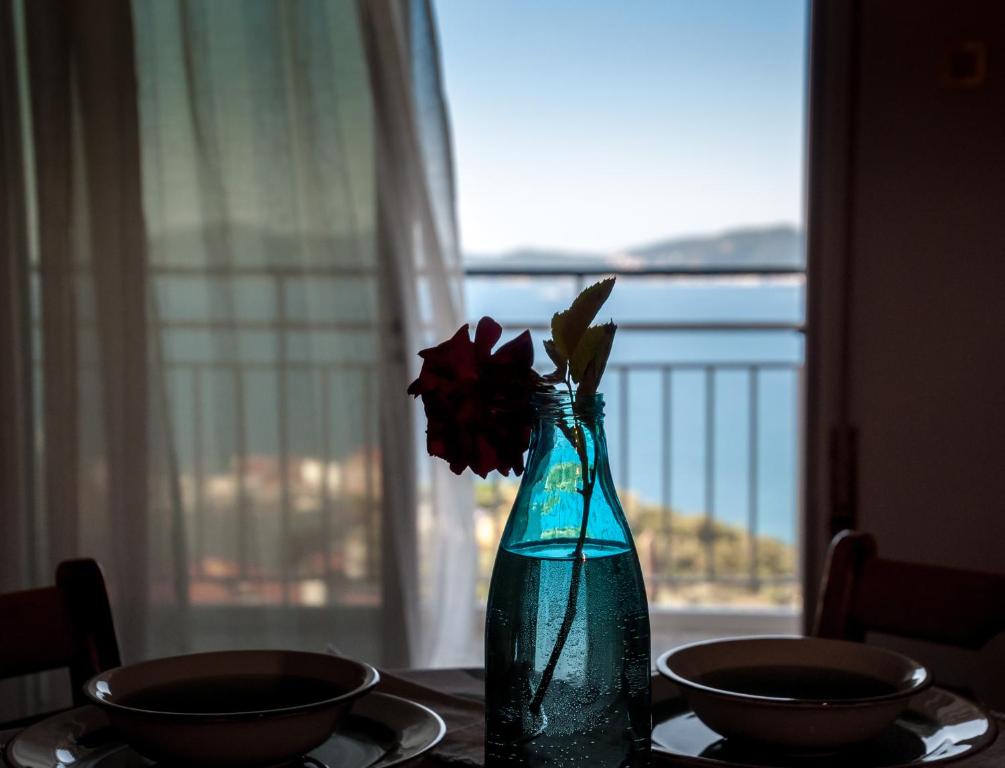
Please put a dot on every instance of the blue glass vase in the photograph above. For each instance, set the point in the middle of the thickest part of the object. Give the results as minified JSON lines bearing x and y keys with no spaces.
{"x":567,"y":629}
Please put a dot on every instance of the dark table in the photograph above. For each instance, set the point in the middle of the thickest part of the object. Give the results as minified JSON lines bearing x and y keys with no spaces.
{"x":457,"y":695}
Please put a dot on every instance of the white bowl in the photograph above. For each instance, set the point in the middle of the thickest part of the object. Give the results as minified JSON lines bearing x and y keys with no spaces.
{"x":748,"y":688}
{"x":286,"y":704}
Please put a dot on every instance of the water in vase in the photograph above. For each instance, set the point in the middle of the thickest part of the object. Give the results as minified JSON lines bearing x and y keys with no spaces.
{"x":592,"y":707}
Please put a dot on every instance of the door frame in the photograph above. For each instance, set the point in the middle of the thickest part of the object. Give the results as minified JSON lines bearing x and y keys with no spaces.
{"x":829,"y":499}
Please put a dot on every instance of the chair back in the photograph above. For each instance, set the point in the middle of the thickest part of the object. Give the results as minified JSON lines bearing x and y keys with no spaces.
{"x":66,"y":625}
{"x":862,"y":592}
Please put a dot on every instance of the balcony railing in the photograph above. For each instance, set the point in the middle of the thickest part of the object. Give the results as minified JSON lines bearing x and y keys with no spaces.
{"x":657,"y":522}
{"x":696,"y":545}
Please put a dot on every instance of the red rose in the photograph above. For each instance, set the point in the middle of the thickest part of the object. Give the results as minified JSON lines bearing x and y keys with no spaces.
{"x":477,"y":403}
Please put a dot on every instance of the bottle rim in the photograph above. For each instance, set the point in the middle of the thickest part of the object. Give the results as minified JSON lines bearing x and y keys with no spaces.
{"x":557,"y":403}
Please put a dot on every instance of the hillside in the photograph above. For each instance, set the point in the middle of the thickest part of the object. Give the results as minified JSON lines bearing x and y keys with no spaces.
{"x":750,"y":247}
{"x":675,"y":565}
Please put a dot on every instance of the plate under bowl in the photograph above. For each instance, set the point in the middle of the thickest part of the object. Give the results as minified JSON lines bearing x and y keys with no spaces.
{"x":254,"y":737}
{"x":937,"y":726}
{"x":793,"y":724}
{"x":381,"y":731}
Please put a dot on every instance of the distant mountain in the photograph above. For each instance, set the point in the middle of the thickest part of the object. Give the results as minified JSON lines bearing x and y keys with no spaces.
{"x":771,"y":247}
{"x":774,"y":247}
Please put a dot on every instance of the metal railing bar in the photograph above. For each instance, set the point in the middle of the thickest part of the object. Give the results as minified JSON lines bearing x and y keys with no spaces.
{"x":277,"y":272}
{"x":321,"y":270}
{"x":666,"y":382}
{"x":734,"y":579}
{"x":369,"y":441}
{"x":710,"y":472}
{"x":691,"y":365}
{"x":738,"y":579}
{"x":276,"y":325}
{"x":283,"y":416}
{"x":738,"y":326}
{"x":730,"y":365}
{"x":240,"y":469}
{"x":258,"y":365}
{"x":799,"y":377}
{"x":598,"y":271}
{"x":199,"y":460}
{"x":656,"y":578}
{"x":752,"y":470}
{"x":623,"y":426}
{"x":326,"y":500}
{"x":363,"y":326}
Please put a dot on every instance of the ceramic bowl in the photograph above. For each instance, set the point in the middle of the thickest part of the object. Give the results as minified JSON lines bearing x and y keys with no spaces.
{"x":796,"y":694}
{"x":248,"y":708}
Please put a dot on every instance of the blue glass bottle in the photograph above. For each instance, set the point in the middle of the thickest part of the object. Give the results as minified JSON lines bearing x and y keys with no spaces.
{"x":567,"y":687}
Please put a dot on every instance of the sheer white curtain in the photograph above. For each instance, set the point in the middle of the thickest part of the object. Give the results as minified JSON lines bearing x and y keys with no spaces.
{"x":421,"y":256}
{"x":238,"y":230}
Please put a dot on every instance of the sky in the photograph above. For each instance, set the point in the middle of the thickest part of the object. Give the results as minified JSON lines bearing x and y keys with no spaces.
{"x":597,"y":126}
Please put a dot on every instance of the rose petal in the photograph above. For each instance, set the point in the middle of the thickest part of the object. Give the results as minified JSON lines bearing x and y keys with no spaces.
{"x":456,"y":355}
{"x":487,"y":334}
{"x":518,"y":351}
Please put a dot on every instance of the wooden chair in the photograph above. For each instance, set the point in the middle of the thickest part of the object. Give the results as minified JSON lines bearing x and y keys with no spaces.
{"x":862,"y":592}
{"x":67,"y":625}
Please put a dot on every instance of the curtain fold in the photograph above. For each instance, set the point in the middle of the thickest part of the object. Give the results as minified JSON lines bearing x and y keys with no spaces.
{"x":242,"y":217}
{"x":424,"y":280}
{"x":91,"y":265}
{"x":16,"y":417}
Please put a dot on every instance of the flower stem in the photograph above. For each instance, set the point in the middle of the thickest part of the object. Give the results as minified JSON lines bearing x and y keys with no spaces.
{"x":578,"y":560}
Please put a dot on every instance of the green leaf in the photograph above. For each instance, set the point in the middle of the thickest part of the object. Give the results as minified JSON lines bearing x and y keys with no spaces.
{"x":590,"y":360}
{"x":554,"y":354}
{"x":568,"y":327}
{"x":561,"y":364}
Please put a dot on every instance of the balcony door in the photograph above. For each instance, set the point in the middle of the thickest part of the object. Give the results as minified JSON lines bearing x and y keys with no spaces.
{"x":661,"y":142}
{"x":905,"y":374}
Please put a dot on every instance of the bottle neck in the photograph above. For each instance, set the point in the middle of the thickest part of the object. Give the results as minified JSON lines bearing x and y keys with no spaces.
{"x":569,"y":431}
{"x":567,"y":481}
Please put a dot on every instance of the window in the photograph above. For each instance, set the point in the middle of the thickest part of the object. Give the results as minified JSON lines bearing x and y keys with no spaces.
{"x":661,"y":141}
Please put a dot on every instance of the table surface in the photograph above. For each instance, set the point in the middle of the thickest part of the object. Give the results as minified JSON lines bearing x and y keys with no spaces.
{"x":457,"y":695}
